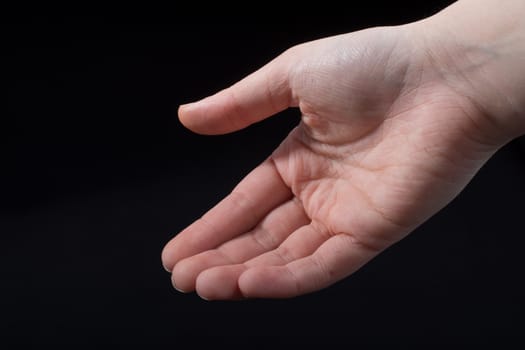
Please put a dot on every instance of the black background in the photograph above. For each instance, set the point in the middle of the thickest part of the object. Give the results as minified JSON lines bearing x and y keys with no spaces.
{"x":98,"y":174}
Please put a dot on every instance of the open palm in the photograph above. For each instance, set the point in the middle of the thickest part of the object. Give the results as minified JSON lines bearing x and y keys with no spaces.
{"x":385,"y":141}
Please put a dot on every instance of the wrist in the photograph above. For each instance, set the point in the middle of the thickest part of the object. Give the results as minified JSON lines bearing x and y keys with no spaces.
{"x":478,"y":48}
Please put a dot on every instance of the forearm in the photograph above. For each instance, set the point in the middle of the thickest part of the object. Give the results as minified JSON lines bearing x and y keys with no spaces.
{"x":480,"y":45}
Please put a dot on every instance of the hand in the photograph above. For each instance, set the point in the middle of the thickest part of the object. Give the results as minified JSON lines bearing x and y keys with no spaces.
{"x":385,"y":141}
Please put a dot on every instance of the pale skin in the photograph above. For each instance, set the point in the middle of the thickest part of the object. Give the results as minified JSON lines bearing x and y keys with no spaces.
{"x":395,"y":122}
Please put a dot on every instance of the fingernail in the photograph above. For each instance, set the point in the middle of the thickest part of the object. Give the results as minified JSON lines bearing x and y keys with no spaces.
{"x":179,"y":290}
{"x":188,"y":105}
{"x":194,"y":103}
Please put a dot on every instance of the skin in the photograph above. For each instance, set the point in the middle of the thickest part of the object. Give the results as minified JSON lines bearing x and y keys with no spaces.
{"x":395,"y":122}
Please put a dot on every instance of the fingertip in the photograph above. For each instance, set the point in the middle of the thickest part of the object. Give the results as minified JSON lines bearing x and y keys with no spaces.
{"x":184,"y":112}
{"x":219,"y":283}
{"x":178,"y":288}
{"x":204,"y":116}
{"x":183,"y":276}
{"x":267,"y":282}
{"x":166,"y":259}
{"x":252,"y":283}
{"x":189,"y":106}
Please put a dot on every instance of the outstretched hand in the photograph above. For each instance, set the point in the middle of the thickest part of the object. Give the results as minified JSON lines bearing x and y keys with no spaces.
{"x":386,"y":140}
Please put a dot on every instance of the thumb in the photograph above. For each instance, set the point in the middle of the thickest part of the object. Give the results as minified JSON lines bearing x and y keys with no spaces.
{"x":256,"y":97}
